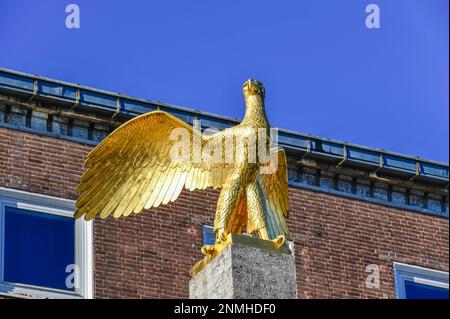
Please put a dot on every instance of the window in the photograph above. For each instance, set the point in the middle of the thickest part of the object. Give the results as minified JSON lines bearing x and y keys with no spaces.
{"x":44,"y":251}
{"x":208,"y":235}
{"x":414,"y":282}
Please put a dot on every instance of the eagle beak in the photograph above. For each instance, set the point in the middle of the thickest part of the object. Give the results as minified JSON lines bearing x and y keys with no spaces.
{"x":251,"y":89}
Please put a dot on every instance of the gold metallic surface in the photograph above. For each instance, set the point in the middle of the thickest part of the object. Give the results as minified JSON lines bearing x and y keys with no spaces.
{"x":240,"y":240}
{"x":134,"y":169}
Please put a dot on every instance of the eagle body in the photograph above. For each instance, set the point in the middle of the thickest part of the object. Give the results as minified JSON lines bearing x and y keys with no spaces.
{"x":134,"y":169}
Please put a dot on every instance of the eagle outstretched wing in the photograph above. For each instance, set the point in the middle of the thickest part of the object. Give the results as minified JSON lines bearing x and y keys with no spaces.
{"x":132,"y":168}
{"x":275,"y":188}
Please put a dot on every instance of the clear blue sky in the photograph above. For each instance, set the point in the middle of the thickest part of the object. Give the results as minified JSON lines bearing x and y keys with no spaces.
{"x":325,"y":73}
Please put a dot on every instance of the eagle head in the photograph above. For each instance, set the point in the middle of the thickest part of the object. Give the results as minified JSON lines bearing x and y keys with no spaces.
{"x":253,"y":87}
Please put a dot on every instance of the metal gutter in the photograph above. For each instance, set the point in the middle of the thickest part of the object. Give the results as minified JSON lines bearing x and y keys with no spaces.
{"x":74,"y":96}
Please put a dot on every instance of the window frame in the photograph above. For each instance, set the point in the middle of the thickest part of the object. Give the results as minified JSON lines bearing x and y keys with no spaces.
{"x":426,"y":276}
{"x":83,"y":244}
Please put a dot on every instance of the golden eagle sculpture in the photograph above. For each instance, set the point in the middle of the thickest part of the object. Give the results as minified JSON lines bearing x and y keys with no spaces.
{"x":148,"y":161}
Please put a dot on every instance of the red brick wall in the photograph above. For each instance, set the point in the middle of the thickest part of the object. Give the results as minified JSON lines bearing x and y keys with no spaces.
{"x":149,"y":255}
{"x":38,"y":164}
{"x":336,"y":238}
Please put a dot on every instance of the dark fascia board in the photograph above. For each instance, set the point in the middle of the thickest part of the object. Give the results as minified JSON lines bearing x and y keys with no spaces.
{"x":316,"y":147}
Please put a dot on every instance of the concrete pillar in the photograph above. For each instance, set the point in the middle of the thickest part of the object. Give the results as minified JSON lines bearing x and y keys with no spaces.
{"x":247,"y":268}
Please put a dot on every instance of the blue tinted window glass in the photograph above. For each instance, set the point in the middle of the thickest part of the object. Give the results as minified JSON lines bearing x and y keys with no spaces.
{"x":208,"y":235}
{"x":38,"y":247}
{"x":415,"y":290}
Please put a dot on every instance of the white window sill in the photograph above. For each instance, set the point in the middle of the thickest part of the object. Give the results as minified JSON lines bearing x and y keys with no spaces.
{"x":33,"y":292}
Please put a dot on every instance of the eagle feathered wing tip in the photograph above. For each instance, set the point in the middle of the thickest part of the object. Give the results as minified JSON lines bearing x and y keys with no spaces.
{"x":275,"y":187}
{"x":132,"y":169}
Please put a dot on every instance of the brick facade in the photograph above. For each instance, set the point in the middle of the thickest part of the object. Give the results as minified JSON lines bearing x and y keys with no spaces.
{"x":149,"y":255}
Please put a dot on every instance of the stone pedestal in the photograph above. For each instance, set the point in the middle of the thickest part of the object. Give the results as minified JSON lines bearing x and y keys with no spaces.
{"x":247,"y":268}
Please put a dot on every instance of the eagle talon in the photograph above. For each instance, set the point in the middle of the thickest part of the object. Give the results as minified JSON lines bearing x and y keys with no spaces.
{"x":279,"y":241}
{"x":208,"y":250}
